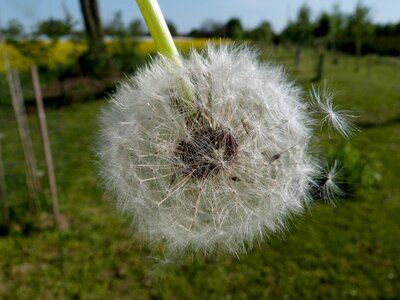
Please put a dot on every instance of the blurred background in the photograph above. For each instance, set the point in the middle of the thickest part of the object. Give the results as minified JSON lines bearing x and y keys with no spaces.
{"x":60,"y":237}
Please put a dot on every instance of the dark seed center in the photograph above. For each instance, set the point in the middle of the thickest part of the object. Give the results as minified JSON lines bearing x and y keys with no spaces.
{"x":206,"y":152}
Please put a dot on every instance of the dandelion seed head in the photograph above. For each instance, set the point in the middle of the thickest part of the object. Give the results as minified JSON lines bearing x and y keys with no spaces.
{"x":224,"y":171}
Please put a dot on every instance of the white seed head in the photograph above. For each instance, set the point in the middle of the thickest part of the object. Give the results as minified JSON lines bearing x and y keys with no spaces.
{"x":215,"y":173}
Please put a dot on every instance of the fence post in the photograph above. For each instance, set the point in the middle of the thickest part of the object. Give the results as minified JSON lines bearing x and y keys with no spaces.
{"x":23,"y":126}
{"x":46,"y":143}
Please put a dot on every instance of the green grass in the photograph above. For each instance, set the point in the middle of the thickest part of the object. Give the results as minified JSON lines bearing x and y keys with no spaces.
{"x":350,"y":250}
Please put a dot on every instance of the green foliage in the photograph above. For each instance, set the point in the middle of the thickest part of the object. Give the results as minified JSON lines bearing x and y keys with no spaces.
{"x":301,"y":30}
{"x":172,"y":28}
{"x":303,"y":24}
{"x":359,"y":23}
{"x":353,"y":33}
{"x":95,"y":60}
{"x":234,"y":29}
{"x":136,"y":28}
{"x":359,"y":171}
{"x":323,"y":26}
{"x":124,"y":56}
{"x":336,"y":22}
{"x":13,"y":31}
{"x":116,"y":28}
{"x":54,"y":29}
{"x":262,"y":34}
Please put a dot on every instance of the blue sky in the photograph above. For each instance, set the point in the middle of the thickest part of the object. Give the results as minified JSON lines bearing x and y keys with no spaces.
{"x":187,"y":14}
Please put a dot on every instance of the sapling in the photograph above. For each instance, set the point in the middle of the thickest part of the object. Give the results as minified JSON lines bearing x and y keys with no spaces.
{"x":209,"y":151}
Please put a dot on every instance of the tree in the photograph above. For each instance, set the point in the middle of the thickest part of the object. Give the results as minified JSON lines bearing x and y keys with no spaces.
{"x":263,"y":33}
{"x":234,"y":29}
{"x":172,"y":28}
{"x":208,"y":28}
{"x":123,"y":53}
{"x":136,"y":28}
{"x":321,"y":32}
{"x":303,"y":30}
{"x":336,"y":27}
{"x":304,"y":25}
{"x":300,"y":32}
{"x":54,"y":29}
{"x":13,"y":31}
{"x":322,"y":26}
{"x":360,"y":27}
{"x":211,"y":28}
{"x":116,"y":27}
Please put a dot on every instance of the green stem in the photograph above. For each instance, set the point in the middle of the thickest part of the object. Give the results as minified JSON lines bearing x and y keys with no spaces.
{"x":158,"y":29}
{"x":165,"y":45}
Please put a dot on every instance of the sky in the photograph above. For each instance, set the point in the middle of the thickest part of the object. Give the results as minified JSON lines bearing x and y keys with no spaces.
{"x":189,"y":14}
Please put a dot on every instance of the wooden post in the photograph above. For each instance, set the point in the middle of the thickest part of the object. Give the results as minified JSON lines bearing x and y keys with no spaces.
{"x":3,"y":193}
{"x":17,"y":100}
{"x":46,"y":143}
{"x":23,"y":126}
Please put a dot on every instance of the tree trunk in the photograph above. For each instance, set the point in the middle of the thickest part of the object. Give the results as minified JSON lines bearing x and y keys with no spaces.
{"x":92,"y":21}
{"x":94,"y":60}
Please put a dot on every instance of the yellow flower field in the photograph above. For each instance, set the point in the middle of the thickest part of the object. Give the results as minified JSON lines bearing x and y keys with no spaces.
{"x":67,"y":52}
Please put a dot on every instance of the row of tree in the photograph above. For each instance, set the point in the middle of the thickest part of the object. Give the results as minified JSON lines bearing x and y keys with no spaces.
{"x":354,"y":32}
{"x":56,"y":29}
{"x":334,"y":28}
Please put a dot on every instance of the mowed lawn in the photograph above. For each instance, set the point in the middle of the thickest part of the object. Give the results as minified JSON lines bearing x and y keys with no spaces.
{"x":342,"y":251}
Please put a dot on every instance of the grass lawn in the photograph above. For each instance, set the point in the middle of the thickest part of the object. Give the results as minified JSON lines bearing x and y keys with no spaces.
{"x":350,"y":250}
